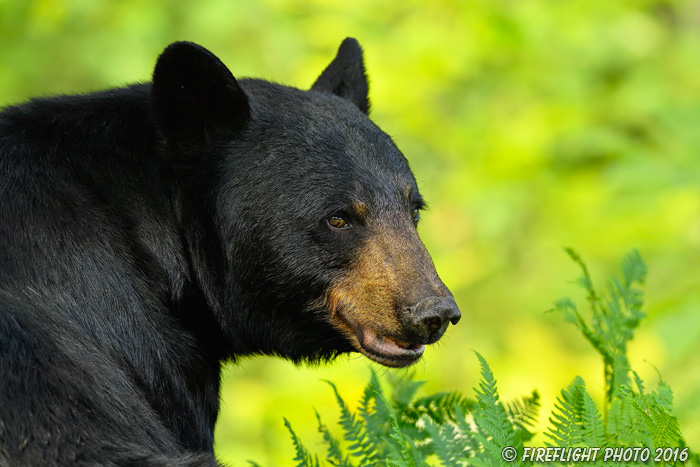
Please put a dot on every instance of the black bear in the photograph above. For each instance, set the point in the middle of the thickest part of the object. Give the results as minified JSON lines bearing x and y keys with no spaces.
{"x":152,"y":232}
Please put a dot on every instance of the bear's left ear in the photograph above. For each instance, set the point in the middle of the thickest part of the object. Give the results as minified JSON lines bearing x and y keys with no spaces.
{"x":195,"y":98}
{"x":345,"y":76}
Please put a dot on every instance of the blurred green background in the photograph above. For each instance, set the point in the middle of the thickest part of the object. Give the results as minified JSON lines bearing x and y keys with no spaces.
{"x":530,"y":125}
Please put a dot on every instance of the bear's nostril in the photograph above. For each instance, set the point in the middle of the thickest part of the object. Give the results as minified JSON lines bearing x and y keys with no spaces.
{"x":432,"y":323}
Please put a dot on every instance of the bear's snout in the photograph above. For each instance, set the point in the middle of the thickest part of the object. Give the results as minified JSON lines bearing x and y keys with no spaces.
{"x":428,"y":319}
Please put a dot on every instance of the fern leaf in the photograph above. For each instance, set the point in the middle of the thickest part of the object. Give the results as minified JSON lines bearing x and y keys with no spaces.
{"x":585,"y":281}
{"x":592,"y":426}
{"x":302,"y":454}
{"x":369,"y":394}
{"x":447,"y":443}
{"x":614,"y":317}
{"x":620,"y":424}
{"x":354,"y":432}
{"x":638,"y":381}
{"x":404,"y":389}
{"x":440,"y":407}
{"x":409,"y":455}
{"x":633,"y":268}
{"x":487,"y":455}
{"x":663,"y":395}
{"x":662,"y":425}
{"x":523,"y":414}
{"x":335,"y":453}
{"x":491,"y":418}
{"x":625,"y":424}
{"x":375,"y":418}
{"x":568,"y":308}
{"x":565,"y":431}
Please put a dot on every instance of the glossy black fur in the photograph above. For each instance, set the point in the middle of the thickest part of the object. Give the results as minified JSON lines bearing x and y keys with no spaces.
{"x":149,"y":233}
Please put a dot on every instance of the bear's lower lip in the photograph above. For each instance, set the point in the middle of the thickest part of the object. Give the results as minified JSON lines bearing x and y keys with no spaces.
{"x":388,"y":351}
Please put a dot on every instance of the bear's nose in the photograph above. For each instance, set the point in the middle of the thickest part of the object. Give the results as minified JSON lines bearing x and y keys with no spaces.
{"x":430,"y":316}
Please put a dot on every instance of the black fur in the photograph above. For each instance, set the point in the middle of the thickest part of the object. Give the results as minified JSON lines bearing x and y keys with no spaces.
{"x":151,"y":232}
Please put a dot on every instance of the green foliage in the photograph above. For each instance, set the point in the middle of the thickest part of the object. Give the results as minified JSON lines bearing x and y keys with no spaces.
{"x":494,"y":429}
{"x":335,"y":453}
{"x":615,"y":316}
{"x":303,"y":456}
{"x":450,"y":430}
{"x":565,"y":429}
{"x":362,"y":444}
{"x":523,"y":413}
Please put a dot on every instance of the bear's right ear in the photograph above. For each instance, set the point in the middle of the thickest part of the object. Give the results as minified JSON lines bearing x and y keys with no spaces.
{"x":195,"y":98}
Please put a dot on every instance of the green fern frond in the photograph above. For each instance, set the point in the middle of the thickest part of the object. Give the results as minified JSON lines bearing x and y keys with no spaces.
{"x":651,"y":416}
{"x":567,"y":307}
{"x":369,"y":394}
{"x":491,"y":418}
{"x":354,"y":432}
{"x":409,"y":456}
{"x":467,"y":431}
{"x":374,"y":416}
{"x":662,"y":425}
{"x":633,"y":268}
{"x":565,"y":428}
{"x":615,"y":316}
{"x":523,"y":414}
{"x":488,"y":396}
{"x":585,"y":281}
{"x":404,"y":389}
{"x":663,"y":395}
{"x":625,"y":426}
{"x":592,"y":425}
{"x":488,"y":455}
{"x":440,"y":407}
{"x":335,"y":453}
{"x":638,"y":382}
{"x":303,"y":456}
{"x":447,"y":443}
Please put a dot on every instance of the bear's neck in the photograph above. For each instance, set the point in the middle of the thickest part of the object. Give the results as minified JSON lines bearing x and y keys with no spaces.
{"x":132,"y":235}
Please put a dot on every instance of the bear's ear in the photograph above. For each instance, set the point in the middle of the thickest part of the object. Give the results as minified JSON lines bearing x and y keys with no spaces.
{"x":195,"y":98}
{"x":345,"y":76}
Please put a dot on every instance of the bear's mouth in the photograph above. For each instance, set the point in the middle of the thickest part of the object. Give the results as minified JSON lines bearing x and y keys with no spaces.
{"x":383,"y":347}
{"x":387,"y":350}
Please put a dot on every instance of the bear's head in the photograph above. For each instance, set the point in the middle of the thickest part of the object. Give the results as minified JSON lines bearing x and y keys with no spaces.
{"x":303,"y":213}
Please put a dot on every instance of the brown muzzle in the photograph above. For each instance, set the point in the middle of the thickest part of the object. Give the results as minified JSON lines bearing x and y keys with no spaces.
{"x":390,"y":302}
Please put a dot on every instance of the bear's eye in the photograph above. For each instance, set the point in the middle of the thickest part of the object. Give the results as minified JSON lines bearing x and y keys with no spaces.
{"x":337,"y":222}
{"x":415,"y":214}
